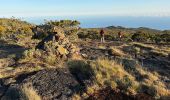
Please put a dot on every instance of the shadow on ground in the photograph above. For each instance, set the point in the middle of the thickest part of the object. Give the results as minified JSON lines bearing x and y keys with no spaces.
{"x":10,"y":50}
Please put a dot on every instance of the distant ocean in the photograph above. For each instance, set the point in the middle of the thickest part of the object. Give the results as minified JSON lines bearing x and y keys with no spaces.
{"x":162,"y":23}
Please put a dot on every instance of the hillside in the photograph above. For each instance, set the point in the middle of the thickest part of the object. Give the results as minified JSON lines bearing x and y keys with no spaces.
{"x":58,"y":60}
{"x":129,"y":34}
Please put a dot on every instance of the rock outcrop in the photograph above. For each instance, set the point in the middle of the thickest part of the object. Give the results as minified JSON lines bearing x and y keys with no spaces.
{"x":54,"y":84}
{"x":49,"y":84}
{"x":58,"y":44}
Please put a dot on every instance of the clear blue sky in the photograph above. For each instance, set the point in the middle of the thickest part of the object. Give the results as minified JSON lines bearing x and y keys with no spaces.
{"x":84,"y":8}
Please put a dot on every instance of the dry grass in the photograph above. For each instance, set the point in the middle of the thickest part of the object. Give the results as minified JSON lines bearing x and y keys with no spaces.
{"x":154,"y":76}
{"x":110,"y":73}
{"x":76,"y":97}
{"x":37,"y":57}
{"x":146,"y":46}
{"x":20,"y":70}
{"x":30,"y":55}
{"x":31,"y":61}
{"x":90,"y":90}
{"x":107,"y":73}
{"x":116,"y":52}
{"x":101,"y":47}
{"x":156,"y":87}
{"x":160,"y":51}
{"x":5,"y":62}
{"x":30,"y":93}
{"x":26,"y":64}
{"x":51,"y":59}
{"x":1,"y":76}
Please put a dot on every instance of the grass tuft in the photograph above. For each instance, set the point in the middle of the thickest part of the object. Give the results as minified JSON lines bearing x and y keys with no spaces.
{"x":30,"y":93}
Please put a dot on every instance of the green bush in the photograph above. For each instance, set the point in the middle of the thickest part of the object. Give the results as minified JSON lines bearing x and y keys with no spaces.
{"x":70,"y":29}
{"x":64,"y":23}
{"x":139,"y":37}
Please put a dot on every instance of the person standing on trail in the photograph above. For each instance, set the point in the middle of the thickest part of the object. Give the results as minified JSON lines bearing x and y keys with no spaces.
{"x":120,"y":35}
{"x":102,"y":36}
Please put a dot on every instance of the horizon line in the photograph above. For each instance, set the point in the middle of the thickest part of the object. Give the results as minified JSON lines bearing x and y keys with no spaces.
{"x":83,"y":16}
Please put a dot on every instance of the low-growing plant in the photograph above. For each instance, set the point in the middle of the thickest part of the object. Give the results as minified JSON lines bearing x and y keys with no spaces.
{"x":15,"y":29}
{"x":106,"y":73}
{"x":30,"y":54}
{"x":80,"y":67}
{"x":51,"y":59}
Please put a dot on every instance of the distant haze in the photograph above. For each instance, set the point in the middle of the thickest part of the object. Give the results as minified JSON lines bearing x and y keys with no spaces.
{"x":25,"y":8}
{"x":162,"y":23}
{"x":92,"y":13}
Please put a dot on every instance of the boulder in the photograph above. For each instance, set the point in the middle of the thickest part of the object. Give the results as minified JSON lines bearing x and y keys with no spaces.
{"x":54,"y":84}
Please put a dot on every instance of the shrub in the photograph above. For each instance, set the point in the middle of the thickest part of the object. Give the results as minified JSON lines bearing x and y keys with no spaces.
{"x":30,"y":55}
{"x":91,"y":34}
{"x":80,"y":68}
{"x":51,"y":59}
{"x":70,"y":27}
{"x":138,"y":37}
{"x":64,"y":23}
{"x":107,"y":73}
{"x":11,"y":28}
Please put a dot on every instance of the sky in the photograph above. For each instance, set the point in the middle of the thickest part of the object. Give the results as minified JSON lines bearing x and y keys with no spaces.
{"x":31,"y":8}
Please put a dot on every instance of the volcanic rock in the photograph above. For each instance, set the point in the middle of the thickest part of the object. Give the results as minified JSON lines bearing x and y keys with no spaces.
{"x":54,"y":84}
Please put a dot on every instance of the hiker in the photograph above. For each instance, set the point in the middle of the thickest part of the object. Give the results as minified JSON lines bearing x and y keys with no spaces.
{"x":120,"y":35}
{"x":102,"y":36}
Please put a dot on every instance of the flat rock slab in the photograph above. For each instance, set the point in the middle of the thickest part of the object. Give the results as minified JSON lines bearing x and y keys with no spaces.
{"x":54,"y":84}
